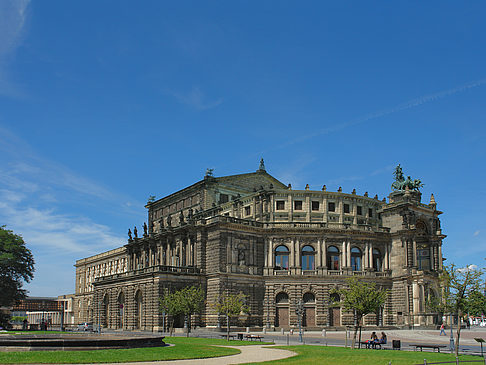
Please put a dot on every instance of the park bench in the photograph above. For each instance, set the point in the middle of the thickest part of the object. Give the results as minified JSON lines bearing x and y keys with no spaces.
{"x":427,"y":346}
{"x":373,"y":345}
{"x":254,"y":337}
{"x":232,"y":337}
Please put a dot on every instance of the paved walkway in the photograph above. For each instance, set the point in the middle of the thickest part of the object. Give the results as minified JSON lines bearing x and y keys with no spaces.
{"x":253,"y":353}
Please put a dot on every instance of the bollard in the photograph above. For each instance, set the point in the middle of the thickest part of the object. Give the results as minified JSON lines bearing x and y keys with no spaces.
{"x":291,"y":331}
{"x":247,"y":329}
{"x":425,"y":361}
{"x":323,"y":333}
{"x":264,"y":330}
{"x":282,"y":331}
{"x":457,"y":360}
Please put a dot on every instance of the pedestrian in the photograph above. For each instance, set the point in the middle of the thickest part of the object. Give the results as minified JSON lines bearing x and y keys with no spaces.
{"x":442,"y":330}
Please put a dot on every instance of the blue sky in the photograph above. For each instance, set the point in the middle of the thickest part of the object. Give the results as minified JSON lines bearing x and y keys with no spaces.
{"x":103,"y":103}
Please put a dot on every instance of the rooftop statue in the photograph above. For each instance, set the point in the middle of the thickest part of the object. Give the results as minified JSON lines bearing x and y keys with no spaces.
{"x":401,"y":183}
{"x":262,"y":165}
{"x":209,"y":172}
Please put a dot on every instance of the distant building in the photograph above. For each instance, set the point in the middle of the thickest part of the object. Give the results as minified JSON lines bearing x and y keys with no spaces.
{"x":48,"y":309}
{"x":251,"y":233}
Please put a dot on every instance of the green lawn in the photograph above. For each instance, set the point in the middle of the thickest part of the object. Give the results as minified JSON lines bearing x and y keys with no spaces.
{"x":323,"y":355}
{"x":186,"y":348}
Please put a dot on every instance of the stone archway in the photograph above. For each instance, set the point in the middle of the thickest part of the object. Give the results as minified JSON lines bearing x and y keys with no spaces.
{"x":334,"y":311}
{"x":282,"y":310}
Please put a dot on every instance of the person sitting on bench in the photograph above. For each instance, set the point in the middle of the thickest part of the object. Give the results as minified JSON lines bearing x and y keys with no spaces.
{"x":372,"y":341}
{"x":382,"y":339}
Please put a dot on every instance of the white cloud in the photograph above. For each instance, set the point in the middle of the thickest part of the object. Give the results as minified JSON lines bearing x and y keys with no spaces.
{"x":467,"y":268}
{"x":476,"y":233}
{"x":51,"y":231}
{"x":13,"y":14}
{"x":196,"y":99}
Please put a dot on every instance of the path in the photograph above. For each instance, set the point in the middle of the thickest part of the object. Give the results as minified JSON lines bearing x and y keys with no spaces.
{"x":253,"y":353}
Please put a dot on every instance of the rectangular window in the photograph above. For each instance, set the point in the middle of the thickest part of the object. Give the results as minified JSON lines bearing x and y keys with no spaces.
{"x":359,"y":210}
{"x":315,"y":205}
{"x":223,"y":198}
{"x":370,"y":212}
{"x":298,"y":205}
{"x":346,"y":208}
{"x":331,"y":206}
{"x":280,"y":204}
{"x":247,"y":210}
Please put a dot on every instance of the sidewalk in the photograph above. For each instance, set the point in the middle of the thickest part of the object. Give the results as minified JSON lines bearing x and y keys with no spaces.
{"x":254,"y":353}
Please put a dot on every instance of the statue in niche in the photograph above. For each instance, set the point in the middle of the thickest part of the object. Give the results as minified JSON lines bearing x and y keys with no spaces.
{"x":130,"y":235}
{"x":241,"y":256}
{"x":181,"y":218}
{"x":169,"y":220}
{"x":145,"y":229}
{"x":190,"y":214}
{"x":135,"y":232}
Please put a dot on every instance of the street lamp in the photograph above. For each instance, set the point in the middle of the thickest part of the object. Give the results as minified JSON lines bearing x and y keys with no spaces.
{"x":451,"y":342}
{"x":299,"y":310}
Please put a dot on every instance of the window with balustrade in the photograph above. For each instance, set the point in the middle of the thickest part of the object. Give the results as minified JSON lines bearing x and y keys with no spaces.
{"x":356,"y":259}
{"x":308,"y":258}
{"x":333,"y":258}
{"x":377,"y":260}
{"x":282,"y":258}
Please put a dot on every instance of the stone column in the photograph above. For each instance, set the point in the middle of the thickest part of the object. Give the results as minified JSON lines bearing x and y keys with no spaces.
{"x":319,"y":255}
{"x":440,"y":255}
{"x":324,"y":253}
{"x":343,"y":255}
{"x":366,"y":254}
{"x":271,"y":258}
{"x":385,"y":263}
{"x":414,"y":253}
{"x":348,"y":253}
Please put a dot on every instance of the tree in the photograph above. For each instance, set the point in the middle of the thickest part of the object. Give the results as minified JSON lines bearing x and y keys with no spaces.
{"x":362,"y":298}
{"x":475,"y":304}
{"x":231,"y":305}
{"x":458,"y":284}
{"x":16,"y":266}
{"x":186,"y":301}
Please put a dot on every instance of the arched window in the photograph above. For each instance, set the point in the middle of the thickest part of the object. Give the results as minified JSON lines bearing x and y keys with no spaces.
{"x":423,"y":256}
{"x":333,"y":258}
{"x":282,"y":258}
{"x":309,"y":298}
{"x":356,"y":259}
{"x":282,"y":298}
{"x":308,"y":255}
{"x":106,"y":307}
{"x":377,"y":261}
{"x":138,"y":309}
{"x":121,"y":307}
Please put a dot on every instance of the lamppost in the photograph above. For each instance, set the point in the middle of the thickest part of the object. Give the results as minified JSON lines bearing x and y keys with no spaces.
{"x":451,"y":342}
{"x":299,"y":310}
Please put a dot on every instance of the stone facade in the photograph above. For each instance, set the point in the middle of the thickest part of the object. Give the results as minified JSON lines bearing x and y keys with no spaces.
{"x":250,"y":233}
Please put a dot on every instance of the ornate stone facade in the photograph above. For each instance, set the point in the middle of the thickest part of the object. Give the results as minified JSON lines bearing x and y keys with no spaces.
{"x":250,"y":233}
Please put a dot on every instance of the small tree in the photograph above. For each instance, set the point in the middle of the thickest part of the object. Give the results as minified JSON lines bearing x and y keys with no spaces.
{"x":476,"y":304}
{"x":186,"y":301}
{"x":231,"y":305}
{"x":458,"y":285}
{"x":362,"y":298}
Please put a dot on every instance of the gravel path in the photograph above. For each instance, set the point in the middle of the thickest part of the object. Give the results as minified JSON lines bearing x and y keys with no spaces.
{"x":254,"y":353}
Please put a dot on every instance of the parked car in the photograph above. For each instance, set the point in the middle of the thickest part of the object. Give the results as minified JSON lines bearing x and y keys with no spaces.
{"x":85,"y":326}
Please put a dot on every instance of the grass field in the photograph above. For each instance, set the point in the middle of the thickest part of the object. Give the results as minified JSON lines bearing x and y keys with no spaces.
{"x":186,"y":348}
{"x":191,"y":348}
{"x":324,"y":355}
